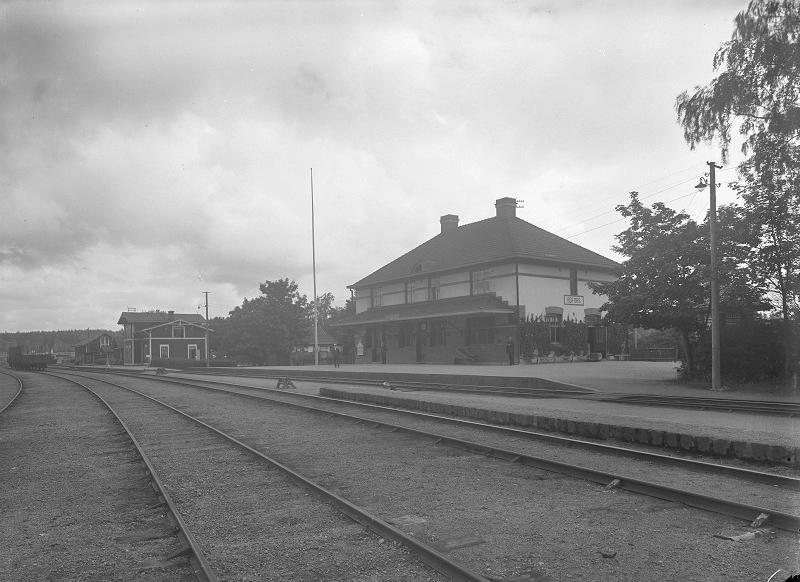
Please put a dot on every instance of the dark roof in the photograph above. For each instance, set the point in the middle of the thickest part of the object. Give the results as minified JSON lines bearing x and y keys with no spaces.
{"x":490,"y":240}
{"x":323,"y":337}
{"x":158,"y":317}
{"x":91,"y":338}
{"x":487,"y":304}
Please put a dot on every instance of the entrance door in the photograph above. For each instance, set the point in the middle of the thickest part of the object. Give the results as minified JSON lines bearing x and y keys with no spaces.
{"x":598,"y":340}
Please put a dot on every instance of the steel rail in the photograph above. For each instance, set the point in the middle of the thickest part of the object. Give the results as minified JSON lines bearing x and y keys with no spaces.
{"x":200,"y":566}
{"x":428,"y":555}
{"x":791,"y":483}
{"x":742,"y":511}
{"x":733,"y":405}
{"x":19,"y":390}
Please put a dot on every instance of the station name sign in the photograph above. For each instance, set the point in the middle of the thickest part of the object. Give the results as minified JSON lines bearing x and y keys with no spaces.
{"x":396,"y":316}
{"x":573,"y":299}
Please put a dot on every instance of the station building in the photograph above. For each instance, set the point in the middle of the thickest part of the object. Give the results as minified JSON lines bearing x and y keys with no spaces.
{"x":165,"y":335}
{"x":457,"y":297}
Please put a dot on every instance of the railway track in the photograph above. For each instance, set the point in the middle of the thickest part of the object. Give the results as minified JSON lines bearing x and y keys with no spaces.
{"x":75,"y":501}
{"x":223,"y":476}
{"x":382,"y":413}
{"x":790,"y":409}
{"x":448,"y":499}
{"x":10,"y":389}
{"x":385,"y":418}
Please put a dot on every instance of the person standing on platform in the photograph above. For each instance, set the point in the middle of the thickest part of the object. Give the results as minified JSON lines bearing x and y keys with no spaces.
{"x":510,"y":351}
{"x":335,"y":357}
{"x":383,"y":353}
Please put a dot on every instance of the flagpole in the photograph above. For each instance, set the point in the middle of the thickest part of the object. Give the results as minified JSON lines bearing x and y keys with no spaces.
{"x":314,"y":268}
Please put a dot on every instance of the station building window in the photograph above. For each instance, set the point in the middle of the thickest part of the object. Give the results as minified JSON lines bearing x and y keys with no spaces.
{"x":178,"y":331}
{"x":433,"y":289}
{"x":163,"y":351}
{"x":376,"y":295}
{"x":553,"y":316}
{"x":480,"y":282}
{"x":480,"y":330}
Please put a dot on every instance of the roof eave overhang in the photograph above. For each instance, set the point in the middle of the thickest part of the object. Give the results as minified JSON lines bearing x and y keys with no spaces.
{"x":482,"y":264}
{"x":384,"y":317}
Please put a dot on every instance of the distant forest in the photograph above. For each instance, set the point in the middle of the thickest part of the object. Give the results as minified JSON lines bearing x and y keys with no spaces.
{"x":49,"y":341}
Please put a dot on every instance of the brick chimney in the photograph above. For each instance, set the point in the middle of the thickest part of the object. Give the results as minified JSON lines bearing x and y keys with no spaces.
{"x":448,"y":222}
{"x":506,"y":207}
{"x":170,"y":315}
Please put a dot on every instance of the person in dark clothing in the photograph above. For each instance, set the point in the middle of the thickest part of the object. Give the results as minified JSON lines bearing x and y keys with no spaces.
{"x":383,"y":354}
{"x":335,"y":357}
{"x":510,"y":351}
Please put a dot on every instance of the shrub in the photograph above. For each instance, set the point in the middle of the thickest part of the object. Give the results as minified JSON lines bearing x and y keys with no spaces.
{"x":749,"y":352}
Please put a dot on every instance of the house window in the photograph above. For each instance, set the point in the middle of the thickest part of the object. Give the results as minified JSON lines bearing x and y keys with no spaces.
{"x":554,"y":321}
{"x":480,"y":330}
{"x":480,"y":282}
{"x":406,"y":337}
{"x":438,"y":333}
{"x":105,"y":340}
{"x":193,"y":352}
{"x":375,"y":295}
{"x":163,"y":351}
{"x":573,"y":281}
{"x":178,"y":331}
{"x":433,"y":289}
{"x":418,"y":290}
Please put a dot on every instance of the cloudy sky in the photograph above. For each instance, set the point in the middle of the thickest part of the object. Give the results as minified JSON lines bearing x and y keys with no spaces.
{"x":151,"y":151}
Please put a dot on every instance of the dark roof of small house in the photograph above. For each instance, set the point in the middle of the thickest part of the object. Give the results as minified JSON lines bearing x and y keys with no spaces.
{"x":91,"y":338}
{"x":486,"y":241}
{"x":323,"y":337}
{"x":487,"y":304}
{"x":158,"y":317}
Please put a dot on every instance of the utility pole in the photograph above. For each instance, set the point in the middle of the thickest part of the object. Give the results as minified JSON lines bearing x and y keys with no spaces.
{"x":716,"y":375}
{"x":206,"y":325}
{"x":314,"y":269}
{"x":716,"y":379}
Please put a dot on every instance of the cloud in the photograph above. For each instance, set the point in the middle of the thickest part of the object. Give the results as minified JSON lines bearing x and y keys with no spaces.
{"x":150,"y":151}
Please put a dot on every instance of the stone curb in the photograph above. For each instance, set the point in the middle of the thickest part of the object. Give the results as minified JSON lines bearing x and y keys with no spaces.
{"x":703,"y":445}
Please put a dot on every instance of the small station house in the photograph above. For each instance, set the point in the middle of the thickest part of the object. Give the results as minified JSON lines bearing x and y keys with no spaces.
{"x":162,"y":335}
{"x":457,"y":297}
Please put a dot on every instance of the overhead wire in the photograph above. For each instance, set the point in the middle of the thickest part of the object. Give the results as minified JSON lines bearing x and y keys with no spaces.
{"x":620,"y":194}
{"x":645,"y":197}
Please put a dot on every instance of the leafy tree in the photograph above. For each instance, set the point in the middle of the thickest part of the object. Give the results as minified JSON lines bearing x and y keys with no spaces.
{"x":758,"y":87}
{"x":272,"y":323}
{"x":324,"y":305}
{"x":665,"y":282}
{"x":770,"y":191}
{"x":758,"y":90}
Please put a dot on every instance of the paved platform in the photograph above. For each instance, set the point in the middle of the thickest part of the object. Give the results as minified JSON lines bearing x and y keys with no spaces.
{"x":602,"y":378}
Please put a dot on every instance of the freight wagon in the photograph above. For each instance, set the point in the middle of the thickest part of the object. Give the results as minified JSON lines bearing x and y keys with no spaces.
{"x":19,"y":361}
